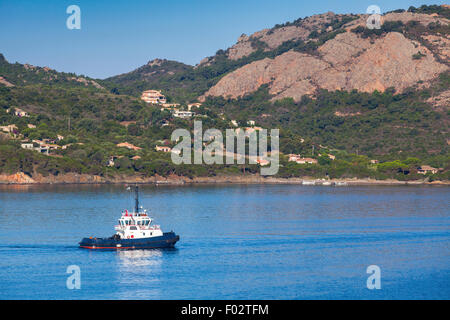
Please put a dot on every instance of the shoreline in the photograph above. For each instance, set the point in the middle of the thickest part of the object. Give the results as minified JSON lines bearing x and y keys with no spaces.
{"x":74,"y":179}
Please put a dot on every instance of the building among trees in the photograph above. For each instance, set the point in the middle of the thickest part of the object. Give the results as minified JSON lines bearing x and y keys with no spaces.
{"x":153,"y":96}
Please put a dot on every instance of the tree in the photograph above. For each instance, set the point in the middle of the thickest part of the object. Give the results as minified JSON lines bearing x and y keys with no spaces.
{"x":123,"y":163}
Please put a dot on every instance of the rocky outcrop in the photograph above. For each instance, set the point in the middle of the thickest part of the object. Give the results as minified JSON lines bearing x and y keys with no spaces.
{"x":404,"y":17}
{"x":242,"y":48}
{"x":273,"y":38}
{"x":346,"y":62}
{"x":232,"y":179}
{"x":388,"y":62}
{"x":22,"y":178}
{"x":4,"y":82}
{"x":86,"y":82}
{"x":441,"y":101}
{"x":156,"y":62}
{"x":16,"y":178}
{"x":440,"y":45}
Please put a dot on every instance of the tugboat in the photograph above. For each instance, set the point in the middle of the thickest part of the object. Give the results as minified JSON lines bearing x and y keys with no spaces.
{"x":134,"y":231}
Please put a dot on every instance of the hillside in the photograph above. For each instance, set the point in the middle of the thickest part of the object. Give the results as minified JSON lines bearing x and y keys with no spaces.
{"x":146,"y":77}
{"x":331,"y":85}
{"x":406,"y":51}
{"x":16,"y":74}
{"x":58,"y":95}
{"x":326,"y":51}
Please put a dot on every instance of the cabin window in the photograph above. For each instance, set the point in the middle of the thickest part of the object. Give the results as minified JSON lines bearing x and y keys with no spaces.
{"x":133,"y":228}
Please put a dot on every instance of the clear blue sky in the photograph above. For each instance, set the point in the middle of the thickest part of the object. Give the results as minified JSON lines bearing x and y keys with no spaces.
{"x":119,"y":36}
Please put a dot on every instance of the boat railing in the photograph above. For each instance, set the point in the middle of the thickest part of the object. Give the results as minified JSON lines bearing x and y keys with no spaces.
{"x":153,"y":227}
{"x":142,"y":227}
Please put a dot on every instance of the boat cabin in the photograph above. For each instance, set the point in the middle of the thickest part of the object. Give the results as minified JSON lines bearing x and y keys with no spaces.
{"x":137,"y":225}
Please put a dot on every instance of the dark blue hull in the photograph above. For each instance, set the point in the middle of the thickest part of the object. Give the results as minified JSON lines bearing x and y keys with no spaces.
{"x":167,"y":240}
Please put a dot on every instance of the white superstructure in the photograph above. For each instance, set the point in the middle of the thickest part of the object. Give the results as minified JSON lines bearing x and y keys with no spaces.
{"x":137,"y":226}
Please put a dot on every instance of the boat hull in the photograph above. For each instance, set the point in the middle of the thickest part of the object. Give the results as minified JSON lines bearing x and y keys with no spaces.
{"x":167,"y":240}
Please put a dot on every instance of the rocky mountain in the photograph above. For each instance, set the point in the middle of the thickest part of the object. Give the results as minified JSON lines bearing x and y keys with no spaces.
{"x":409,"y":49}
{"x":273,"y":38}
{"x":326,"y":51}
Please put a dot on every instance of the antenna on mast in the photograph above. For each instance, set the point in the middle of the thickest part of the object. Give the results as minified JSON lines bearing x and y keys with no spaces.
{"x":136,"y":206}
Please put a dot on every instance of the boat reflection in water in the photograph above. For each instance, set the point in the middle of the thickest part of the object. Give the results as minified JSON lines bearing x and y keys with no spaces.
{"x":131,"y":259}
{"x":139,"y":273}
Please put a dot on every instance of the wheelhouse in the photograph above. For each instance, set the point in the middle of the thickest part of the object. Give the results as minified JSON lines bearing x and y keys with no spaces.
{"x":140,"y":220}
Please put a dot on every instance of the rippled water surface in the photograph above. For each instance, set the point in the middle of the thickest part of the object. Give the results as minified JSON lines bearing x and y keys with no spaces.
{"x":237,"y":242}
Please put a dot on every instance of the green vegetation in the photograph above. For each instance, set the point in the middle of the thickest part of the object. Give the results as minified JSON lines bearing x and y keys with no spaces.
{"x":430,"y":9}
{"x":388,"y":26}
{"x":419,"y":55}
{"x":335,"y":23}
{"x":19,"y":74}
{"x":91,"y":142}
{"x":412,"y":30}
{"x":354,"y":166}
{"x":400,"y":130}
{"x":386,"y":124}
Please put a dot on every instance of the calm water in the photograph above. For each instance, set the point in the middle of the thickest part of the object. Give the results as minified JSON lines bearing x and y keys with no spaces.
{"x":237,"y":242}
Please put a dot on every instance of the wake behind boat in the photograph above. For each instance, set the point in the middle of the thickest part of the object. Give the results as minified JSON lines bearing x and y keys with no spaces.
{"x":134,"y":231}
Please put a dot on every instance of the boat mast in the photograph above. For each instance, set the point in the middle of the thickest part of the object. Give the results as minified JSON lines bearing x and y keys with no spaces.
{"x":136,"y":206}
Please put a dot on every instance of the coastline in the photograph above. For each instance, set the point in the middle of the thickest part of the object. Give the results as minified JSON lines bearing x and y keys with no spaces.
{"x":72,"y":178}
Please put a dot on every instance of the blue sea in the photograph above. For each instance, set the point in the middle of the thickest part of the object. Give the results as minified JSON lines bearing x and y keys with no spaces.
{"x":237,"y":242}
